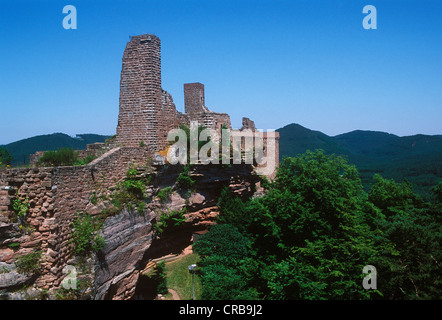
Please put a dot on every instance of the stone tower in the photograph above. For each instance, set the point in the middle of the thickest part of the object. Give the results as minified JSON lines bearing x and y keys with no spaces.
{"x":147,"y":112}
{"x":194,"y":98}
{"x":141,"y":94}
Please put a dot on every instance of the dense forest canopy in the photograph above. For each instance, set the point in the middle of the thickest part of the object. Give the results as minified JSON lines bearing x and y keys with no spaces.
{"x":416,"y":158}
{"x":313,"y":232}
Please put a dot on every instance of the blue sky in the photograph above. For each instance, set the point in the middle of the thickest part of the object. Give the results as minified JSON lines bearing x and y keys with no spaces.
{"x":276,"y":62}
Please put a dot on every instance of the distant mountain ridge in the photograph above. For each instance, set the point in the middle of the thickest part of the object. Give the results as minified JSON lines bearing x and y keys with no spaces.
{"x":418,"y":158}
{"x":21,"y":149}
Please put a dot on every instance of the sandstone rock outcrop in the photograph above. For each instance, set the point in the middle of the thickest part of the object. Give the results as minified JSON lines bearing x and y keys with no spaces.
{"x":131,"y":241}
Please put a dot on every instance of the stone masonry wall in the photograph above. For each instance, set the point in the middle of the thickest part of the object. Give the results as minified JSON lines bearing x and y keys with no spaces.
{"x":55,"y":196}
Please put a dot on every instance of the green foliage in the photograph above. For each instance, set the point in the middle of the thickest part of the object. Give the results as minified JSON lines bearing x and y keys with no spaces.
{"x":5,"y":157}
{"x":131,"y":188}
{"x":315,"y":229}
{"x":131,"y":173}
{"x":21,"y":149}
{"x":141,"y":207}
{"x":29,"y":263}
{"x":165,"y":193}
{"x":63,"y":157}
{"x":310,"y":219}
{"x":135,"y":187}
{"x":437,"y":190}
{"x":184,"y":181}
{"x":84,"y":161}
{"x":94,"y":198}
{"x":159,"y":277}
{"x":170,"y":221}
{"x":21,"y":207}
{"x":416,"y":158}
{"x":14,"y":245}
{"x":232,"y":210}
{"x":415,"y":230}
{"x":390,"y":196}
{"x":130,"y":193}
{"x":85,"y":235}
{"x":225,"y":264}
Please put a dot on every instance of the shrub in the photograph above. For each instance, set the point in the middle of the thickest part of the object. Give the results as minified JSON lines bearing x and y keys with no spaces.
{"x":165,"y":193}
{"x":21,"y":207}
{"x":61,"y":157}
{"x":170,"y":220}
{"x":94,"y":198}
{"x":131,"y":186}
{"x":84,"y":235}
{"x":131,"y":173}
{"x":159,"y":277}
{"x":84,"y":161}
{"x":184,"y":181}
{"x":141,"y":207}
{"x":135,"y":187}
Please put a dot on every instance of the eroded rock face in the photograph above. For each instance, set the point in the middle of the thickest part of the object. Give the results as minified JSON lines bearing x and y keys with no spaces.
{"x":11,"y":278}
{"x":130,"y":237}
{"x":127,"y":235}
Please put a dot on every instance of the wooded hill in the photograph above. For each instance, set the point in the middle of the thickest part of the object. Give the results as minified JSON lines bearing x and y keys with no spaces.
{"x":417,"y":158}
{"x":21,"y":149}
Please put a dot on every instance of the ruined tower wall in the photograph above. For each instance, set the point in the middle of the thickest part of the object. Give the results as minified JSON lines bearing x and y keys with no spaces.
{"x":140,"y":93}
{"x":169,"y":119}
{"x":211,"y":120}
{"x":194,"y":100}
{"x":147,"y":112}
{"x":248,"y":124}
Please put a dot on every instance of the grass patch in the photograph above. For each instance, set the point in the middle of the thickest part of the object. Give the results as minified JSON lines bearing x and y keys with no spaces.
{"x":180,"y":279}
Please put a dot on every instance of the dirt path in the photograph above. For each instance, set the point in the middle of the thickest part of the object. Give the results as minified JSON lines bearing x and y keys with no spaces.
{"x":174,"y":294}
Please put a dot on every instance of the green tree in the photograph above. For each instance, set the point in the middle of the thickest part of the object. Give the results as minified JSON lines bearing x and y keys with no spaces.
{"x":232,"y":210}
{"x":159,"y":277}
{"x":437,"y":190}
{"x":225,"y":264}
{"x":315,"y":229}
{"x":5,"y":157}
{"x":415,"y":230}
{"x":311,"y":221}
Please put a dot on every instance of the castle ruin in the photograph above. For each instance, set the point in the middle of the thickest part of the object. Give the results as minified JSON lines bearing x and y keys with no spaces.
{"x":147,"y":112}
{"x":57,"y":194}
